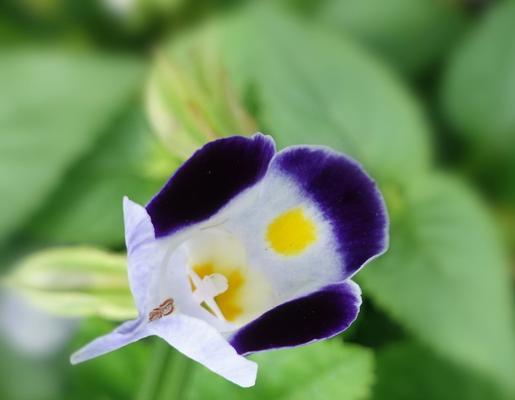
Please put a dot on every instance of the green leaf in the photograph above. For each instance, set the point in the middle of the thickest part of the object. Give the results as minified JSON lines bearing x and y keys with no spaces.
{"x":87,"y":207}
{"x":75,"y":281}
{"x":326,"y":370}
{"x":445,"y":277}
{"x":478,"y":96}
{"x":479,"y":87}
{"x":408,"y":371}
{"x":309,"y":86}
{"x":54,"y":104}
{"x":506,"y":220}
{"x":410,"y":34}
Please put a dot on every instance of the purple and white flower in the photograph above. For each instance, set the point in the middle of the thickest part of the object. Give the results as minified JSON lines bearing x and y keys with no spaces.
{"x":245,"y":249}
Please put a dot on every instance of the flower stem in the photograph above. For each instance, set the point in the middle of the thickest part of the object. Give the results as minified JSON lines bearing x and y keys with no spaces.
{"x":167,"y":374}
{"x":152,"y":377}
{"x":175,"y":378}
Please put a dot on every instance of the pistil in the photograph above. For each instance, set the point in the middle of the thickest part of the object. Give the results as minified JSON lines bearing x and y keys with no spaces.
{"x":207,"y":288}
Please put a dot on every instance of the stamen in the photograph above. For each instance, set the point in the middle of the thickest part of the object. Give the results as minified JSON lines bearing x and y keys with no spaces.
{"x":164,"y":309}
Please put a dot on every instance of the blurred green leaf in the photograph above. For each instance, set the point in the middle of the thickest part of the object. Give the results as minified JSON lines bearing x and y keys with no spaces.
{"x":445,"y":277}
{"x":479,"y":89}
{"x":75,"y":281}
{"x":325,"y":370}
{"x":478,"y":95}
{"x":408,"y":371}
{"x":54,"y":104}
{"x":303,"y":85}
{"x":87,"y":207}
{"x":308,"y":86}
{"x":23,"y":377}
{"x":115,"y":375}
{"x":410,"y":34}
{"x":506,"y":220}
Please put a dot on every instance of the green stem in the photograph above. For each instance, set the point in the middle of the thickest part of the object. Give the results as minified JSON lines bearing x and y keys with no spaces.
{"x":149,"y":386}
{"x":175,"y":378}
{"x":167,"y":374}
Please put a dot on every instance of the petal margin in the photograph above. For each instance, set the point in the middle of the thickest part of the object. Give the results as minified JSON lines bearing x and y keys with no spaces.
{"x":347,"y":197}
{"x":127,"y":333}
{"x":141,"y":251}
{"x":201,"y":342}
{"x":319,"y":315}
{"x":209,"y":180}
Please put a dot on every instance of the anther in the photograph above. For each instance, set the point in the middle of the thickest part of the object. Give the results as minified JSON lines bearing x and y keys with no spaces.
{"x":165,"y":308}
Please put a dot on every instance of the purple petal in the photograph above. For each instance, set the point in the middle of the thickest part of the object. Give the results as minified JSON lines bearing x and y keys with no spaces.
{"x":319,"y":315}
{"x":209,"y":180}
{"x":346,"y":195}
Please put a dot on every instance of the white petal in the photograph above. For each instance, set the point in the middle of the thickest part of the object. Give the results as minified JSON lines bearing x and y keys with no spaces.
{"x":126,"y":333}
{"x":202,"y":343}
{"x":139,"y":238}
{"x":291,"y":276}
{"x":158,"y":268}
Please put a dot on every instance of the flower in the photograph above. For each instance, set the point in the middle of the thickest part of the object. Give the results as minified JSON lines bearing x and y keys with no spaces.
{"x":245,"y":250}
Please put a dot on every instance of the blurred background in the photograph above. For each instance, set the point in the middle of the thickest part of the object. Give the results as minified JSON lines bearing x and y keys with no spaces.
{"x":101,"y":99}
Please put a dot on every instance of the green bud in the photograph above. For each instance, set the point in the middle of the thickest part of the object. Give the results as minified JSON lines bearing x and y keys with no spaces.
{"x":75,"y":282}
{"x":190,"y":98}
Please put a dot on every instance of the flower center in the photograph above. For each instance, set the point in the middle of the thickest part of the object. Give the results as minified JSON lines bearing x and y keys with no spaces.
{"x":222,"y":278}
{"x":219,"y":289}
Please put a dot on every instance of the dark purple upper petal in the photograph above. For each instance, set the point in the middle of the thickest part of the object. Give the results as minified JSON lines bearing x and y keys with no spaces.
{"x":319,"y":315}
{"x":208,"y":180}
{"x":347,"y":197}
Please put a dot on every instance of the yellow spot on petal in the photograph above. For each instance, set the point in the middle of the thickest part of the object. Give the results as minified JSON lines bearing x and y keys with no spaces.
{"x":291,"y":232}
{"x":230,"y":301}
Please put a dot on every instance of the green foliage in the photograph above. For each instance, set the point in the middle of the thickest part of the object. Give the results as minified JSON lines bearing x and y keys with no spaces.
{"x":86,"y":208}
{"x":38,"y":381}
{"x":445,"y":278}
{"x":54,"y":104}
{"x":168,"y":374}
{"x":408,"y":371}
{"x":479,"y":89}
{"x":325,"y":370}
{"x":75,"y":282}
{"x":74,"y":140}
{"x":478,"y":96}
{"x":412,"y":35}
{"x":325,"y":91}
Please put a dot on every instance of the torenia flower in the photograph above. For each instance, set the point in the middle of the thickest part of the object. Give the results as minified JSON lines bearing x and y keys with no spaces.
{"x":245,"y":250}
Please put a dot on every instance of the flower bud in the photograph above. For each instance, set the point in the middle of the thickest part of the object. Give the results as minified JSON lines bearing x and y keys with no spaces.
{"x":75,"y":282}
{"x":190,"y":97}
